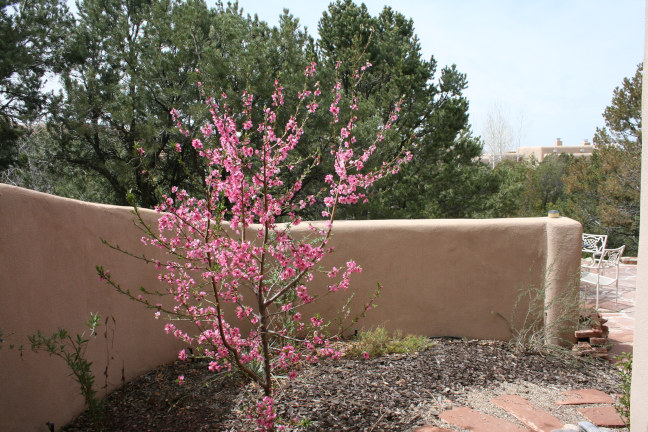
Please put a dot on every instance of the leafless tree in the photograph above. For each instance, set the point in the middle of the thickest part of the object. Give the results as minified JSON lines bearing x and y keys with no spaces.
{"x":498,"y":134}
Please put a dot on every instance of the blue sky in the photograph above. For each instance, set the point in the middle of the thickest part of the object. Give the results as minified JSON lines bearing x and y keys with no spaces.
{"x":553,"y":63}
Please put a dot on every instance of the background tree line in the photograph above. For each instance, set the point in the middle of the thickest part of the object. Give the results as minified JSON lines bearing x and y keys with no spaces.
{"x":601,"y":192}
{"x":123,"y":65}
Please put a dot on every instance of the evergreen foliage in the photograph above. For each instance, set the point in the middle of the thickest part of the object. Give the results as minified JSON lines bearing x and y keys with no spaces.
{"x":128,"y":64}
{"x":133,"y":62}
{"x":444,"y":178}
{"x":31,"y":37}
{"x":604,"y":191}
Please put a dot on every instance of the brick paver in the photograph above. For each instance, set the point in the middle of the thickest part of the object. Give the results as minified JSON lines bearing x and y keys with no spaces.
{"x":586,"y":396}
{"x":529,"y":414}
{"x":603,"y":416}
{"x":475,"y":421}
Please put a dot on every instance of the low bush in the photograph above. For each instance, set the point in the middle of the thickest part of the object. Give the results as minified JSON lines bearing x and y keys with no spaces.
{"x":377,"y":342}
{"x":73,"y":351}
{"x":623,"y":402}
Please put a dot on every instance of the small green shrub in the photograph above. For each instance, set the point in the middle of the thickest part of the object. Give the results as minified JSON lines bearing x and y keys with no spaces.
{"x":72,"y":350}
{"x":625,"y":370}
{"x":377,"y":342}
{"x":4,"y":338}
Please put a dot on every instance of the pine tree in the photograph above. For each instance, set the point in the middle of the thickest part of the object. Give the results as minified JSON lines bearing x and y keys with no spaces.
{"x":134,"y":62}
{"x":441,"y":180}
{"x":604,"y":192}
{"x":31,"y":36}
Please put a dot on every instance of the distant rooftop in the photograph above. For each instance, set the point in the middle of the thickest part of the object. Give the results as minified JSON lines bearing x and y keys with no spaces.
{"x":585,"y":149}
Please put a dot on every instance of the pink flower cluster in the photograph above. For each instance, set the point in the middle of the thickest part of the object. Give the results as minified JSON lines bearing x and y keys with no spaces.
{"x":264,"y":414}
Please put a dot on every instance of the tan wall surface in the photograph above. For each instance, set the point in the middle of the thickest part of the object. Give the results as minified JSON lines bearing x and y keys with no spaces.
{"x":451,"y":277}
{"x":639,"y":394}
{"x":49,"y":248}
{"x":440,"y":278}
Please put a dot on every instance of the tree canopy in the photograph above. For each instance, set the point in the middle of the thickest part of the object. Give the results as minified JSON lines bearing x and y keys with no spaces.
{"x":604,"y":191}
{"x":443,"y":178}
{"x":134,"y":62}
{"x":31,"y":37}
{"x":126,"y":64}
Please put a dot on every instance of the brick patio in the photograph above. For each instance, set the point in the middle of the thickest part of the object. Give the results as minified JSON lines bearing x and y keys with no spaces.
{"x":620,"y":312}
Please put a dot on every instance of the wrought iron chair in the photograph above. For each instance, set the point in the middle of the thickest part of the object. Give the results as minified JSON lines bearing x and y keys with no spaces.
{"x":609,"y":258}
{"x":594,"y":244}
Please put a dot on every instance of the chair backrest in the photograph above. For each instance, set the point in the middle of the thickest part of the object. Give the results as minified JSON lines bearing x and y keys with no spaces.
{"x":611,"y":257}
{"x":594,"y":243}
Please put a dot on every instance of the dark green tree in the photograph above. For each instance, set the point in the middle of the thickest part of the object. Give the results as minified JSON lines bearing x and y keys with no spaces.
{"x":508,"y":181}
{"x":603,"y":192}
{"x":133,"y":62}
{"x":35,"y":169}
{"x":544,"y":187}
{"x":127,"y":72}
{"x":623,"y":116}
{"x":443,"y":178}
{"x":526,"y":188}
{"x":31,"y":36}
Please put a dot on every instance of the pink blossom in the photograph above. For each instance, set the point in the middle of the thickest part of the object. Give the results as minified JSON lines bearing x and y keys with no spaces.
{"x":264,"y":415}
{"x":333,"y":272}
{"x":310,"y":70}
{"x":104,"y":276}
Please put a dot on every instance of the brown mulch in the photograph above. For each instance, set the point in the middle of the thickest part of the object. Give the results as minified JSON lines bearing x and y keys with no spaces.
{"x":389,"y":393}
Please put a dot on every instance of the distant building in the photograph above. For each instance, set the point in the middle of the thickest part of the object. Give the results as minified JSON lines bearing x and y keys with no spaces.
{"x":539,"y":153}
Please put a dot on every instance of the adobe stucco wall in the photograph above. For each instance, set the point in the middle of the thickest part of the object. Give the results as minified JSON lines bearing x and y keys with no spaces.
{"x":453,"y":277}
{"x":440,"y":277}
{"x":49,"y":248}
{"x":639,"y":393}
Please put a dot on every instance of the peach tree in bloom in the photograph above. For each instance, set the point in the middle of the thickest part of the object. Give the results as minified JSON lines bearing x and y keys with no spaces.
{"x":235,"y":270}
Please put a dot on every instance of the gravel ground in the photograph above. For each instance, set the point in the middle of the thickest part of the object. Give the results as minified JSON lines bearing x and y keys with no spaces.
{"x":389,"y":393}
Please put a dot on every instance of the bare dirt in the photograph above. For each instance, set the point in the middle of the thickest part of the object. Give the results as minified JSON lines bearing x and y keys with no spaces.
{"x":388,"y":393}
